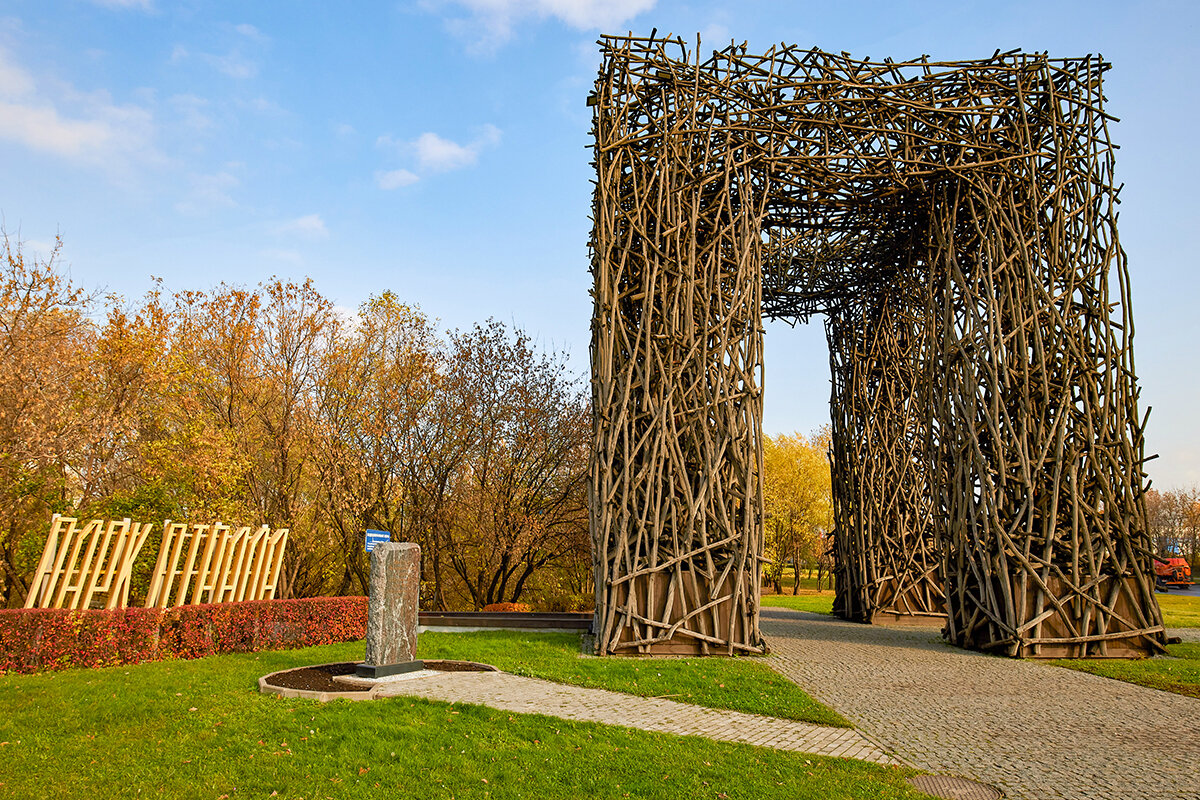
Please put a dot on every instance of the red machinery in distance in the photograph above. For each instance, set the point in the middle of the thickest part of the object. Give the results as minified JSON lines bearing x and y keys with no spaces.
{"x":1172,"y":571}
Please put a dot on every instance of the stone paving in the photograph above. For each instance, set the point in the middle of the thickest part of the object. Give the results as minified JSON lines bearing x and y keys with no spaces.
{"x":532,"y":696}
{"x":1186,"y":634}
{"x":1036,"y":731}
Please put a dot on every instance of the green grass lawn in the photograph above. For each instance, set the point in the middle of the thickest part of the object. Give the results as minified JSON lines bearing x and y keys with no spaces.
{"x":740,"y":684}
{"x":817,"y":602}
{"x":808,"y":581}
{"x":1180,"y":610}
{"x":199,"y":729}
{"x":1179,"y":674}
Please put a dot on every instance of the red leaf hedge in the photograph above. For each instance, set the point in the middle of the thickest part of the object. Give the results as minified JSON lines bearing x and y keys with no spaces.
{"x":36,"y":639}
{"x":522,"y":608}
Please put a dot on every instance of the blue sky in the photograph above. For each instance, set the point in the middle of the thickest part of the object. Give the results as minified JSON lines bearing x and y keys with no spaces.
{"x":438,"y":148}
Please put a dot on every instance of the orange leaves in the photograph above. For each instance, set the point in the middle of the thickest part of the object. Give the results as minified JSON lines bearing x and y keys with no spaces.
{"x":268,"y":404}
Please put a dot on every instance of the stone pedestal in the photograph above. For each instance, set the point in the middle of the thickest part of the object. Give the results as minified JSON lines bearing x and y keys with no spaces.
{"x":392,"y":611}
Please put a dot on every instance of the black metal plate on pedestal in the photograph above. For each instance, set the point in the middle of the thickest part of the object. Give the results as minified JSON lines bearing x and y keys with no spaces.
{"x":384,"y":670}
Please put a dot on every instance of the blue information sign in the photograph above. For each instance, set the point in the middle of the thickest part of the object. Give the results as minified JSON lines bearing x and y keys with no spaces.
{"x":377,"y":537}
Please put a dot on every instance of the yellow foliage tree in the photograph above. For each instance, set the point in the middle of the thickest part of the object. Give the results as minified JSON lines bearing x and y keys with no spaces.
{"x":796,"y":492}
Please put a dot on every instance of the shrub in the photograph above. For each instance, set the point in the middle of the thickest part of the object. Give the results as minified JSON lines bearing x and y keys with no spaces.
{"x":32,"y":640}
{"x":520,"y":607}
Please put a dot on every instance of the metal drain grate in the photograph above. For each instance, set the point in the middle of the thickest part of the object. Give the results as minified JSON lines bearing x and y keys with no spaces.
{"x":951,"y":788}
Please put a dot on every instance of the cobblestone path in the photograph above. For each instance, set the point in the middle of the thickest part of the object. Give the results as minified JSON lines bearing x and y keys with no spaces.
{"x":532,"y":696}
{"x":1038,"y":732}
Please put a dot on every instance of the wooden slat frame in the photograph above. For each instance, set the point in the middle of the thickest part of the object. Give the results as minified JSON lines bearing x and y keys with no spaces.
{"x":105,"y":570}
{"x":213,"y":563}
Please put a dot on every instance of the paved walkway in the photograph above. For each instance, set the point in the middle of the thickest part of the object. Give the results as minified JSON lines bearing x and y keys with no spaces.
{"x":1037,"y":731}
{"x":532,"y":696}
{"x":1186,"y":634}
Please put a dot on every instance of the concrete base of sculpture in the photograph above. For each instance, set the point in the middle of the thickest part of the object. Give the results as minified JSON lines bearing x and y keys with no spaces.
{"x":383,"y":671}
{"x":392,"y":611}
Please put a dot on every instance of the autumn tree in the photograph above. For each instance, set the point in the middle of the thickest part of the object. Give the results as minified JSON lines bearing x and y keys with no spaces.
{"x":253,"y":405}
{"x":518,"y":495}
{"x":797,"y":497}
{"x":44,"y":339}
{"x":1173,"y":518}
{"x":378,"y":379}
{"x":126,"y":383}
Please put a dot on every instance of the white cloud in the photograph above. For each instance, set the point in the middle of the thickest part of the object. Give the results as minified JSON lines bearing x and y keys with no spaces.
{"x":44,"y":129}
{"x":489,"y":23}
{"x":395,"y":178}
{"x":583,"y":14}
{"x":349,"y":316}
{"x":14,"y":81}
{"x":262,"y":105}
{"x":434,"y":153}
{"x":84,"y":127}
{"x":310,"y":226}
{"x":285,"y":144}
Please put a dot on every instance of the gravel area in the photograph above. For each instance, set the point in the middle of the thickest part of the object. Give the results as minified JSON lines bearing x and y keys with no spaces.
{"x":1036,"y":731}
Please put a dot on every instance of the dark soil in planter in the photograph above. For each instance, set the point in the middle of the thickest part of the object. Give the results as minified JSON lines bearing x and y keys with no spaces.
{"x":316,"y":679}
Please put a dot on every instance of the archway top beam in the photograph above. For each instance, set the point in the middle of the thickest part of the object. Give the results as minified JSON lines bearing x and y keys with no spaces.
{"x":848,"y":150}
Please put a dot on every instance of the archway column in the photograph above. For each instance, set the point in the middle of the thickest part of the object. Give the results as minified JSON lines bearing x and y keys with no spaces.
{"x":1037,"y":446}
{"x":675,"y":491}
{"x":887,"y":563}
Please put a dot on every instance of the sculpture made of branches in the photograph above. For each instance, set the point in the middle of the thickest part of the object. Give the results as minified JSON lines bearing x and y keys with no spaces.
{"x":955,"y":222}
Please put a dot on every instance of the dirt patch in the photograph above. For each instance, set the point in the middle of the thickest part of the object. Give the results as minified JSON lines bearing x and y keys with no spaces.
{"x":316,"y":679}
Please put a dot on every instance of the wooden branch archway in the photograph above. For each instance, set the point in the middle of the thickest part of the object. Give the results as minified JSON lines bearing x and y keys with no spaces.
{"x":955,"y":223}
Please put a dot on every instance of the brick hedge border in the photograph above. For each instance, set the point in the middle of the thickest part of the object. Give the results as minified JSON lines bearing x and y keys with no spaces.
{"x":35,"y":640}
